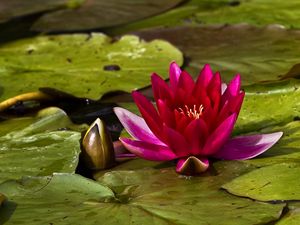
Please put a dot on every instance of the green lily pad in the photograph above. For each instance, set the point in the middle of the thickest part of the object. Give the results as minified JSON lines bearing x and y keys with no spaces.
{"x":17,"y":8}
{"x":258,"y":54}
{"x":257,"y":12}
{"x":152,"y":194}
{"x":268,"y":105}
{"x":100,"y":14}
{"x":39,"y":145}
{"x":276,"y":182}
{"x":82,"y":65}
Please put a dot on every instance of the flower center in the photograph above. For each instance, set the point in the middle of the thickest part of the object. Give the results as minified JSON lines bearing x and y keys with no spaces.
{"x":193,"y":113}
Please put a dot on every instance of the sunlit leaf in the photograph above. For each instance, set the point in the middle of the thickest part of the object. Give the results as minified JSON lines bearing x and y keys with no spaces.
{"x":38,"y":145}
{"x":270,"y":183}
{"x":82,"y":65}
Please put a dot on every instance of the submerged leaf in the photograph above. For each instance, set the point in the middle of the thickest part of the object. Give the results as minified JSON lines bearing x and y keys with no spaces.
{"x":257,"y":12}
{"x":258,"y":54}
{"x":100,"y":14}
{"x":16,"y":8}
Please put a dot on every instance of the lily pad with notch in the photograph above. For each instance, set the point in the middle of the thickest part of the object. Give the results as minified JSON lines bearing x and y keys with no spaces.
{"x":151,"y":193}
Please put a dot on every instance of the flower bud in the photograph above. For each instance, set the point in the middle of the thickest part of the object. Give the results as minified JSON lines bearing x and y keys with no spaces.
{"x":98,"y":151}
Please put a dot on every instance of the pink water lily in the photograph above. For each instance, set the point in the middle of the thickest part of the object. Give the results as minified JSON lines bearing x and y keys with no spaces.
{"x":192,"y":122}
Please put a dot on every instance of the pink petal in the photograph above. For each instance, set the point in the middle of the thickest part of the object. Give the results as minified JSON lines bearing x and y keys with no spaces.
{"x":205,"y":76}
{"x":196,"y":133}
{"x":166,"y":114}
{"x":214,"y":91}
{"x":192,"y":165}
{"x":175,"y":72}
{"x":234,"y":85}
{"x":186,"y":82}
{"x":149,"y":114}
{"x":176,"y":142}
{"x":160,"y":88}
{"x":247,"y":147}
{"x":136,"y":126}
{"x":148,"y":150}
{"x":234,"y":104}
{"x":232,"y":89}
{"x":218,"y":138}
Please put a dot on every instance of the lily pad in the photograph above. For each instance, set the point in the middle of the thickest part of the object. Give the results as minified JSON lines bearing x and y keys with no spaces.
{"x":39,"y":145}
{"x":270,"y":183}
{"x":293,"y":215}
{"x":100,"y":14}
{"x":152,"y":194}
{"x":258,"y":54}
{"x":257,"y":12}
{"x":268,"y":105}
{"x":83,"y":65}
{"x":17,"y":8}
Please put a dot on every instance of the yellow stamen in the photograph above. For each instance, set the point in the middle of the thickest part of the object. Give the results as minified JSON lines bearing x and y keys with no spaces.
{"x":193,"y":113}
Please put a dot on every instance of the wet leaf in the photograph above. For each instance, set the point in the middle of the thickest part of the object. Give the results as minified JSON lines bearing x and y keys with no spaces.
{"x":152,"y":193}
{"x":82,"y":65}
{"x":258,"y":54}
{"x":38,"y":145}
{"x":100,"y":14}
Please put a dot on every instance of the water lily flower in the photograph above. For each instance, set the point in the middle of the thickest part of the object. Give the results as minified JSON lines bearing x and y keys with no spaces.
{"x":192,"y":122}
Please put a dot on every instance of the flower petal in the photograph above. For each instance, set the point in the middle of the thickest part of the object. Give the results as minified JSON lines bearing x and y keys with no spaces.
{"x":196,"y":133}
{"x":247,"y":147}
{"x":192,"y":165}
{"x":166,"y":114}
{"x":186,"y":82}
{"x":233,"y":89}
{"x":136,"y":126}
{"x":160,"y":89}
{"x":149,"y":114}
{"x":223,"y":88}
{"x":234,"y":85}
{"x":176,"y":141}
{"x":219,"y":137}
{"x":205,"y":76}
{"x":147,"y":150}
{"x":175,"y":72}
